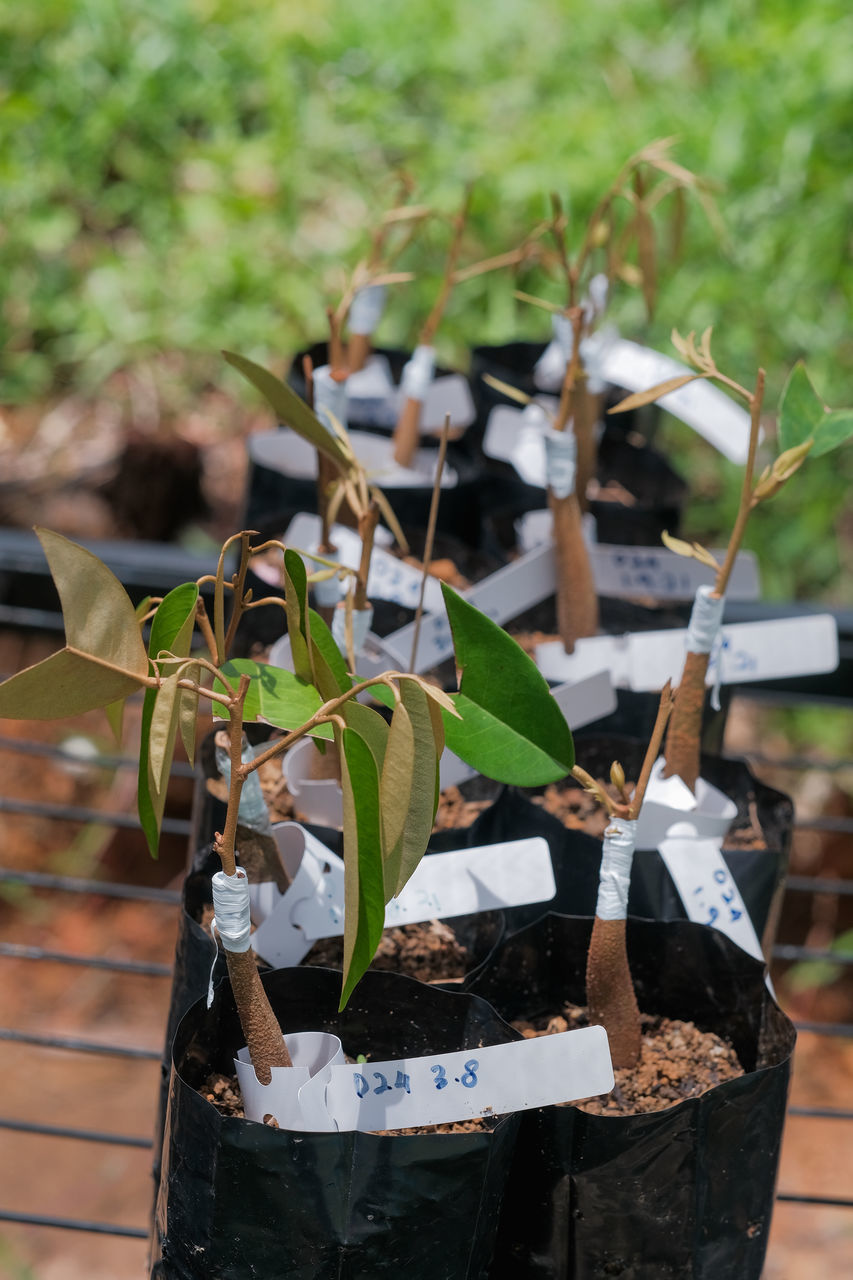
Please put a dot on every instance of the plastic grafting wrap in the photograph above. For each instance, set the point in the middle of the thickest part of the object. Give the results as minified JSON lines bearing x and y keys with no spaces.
{"x":361,"y":620}
{"x":615,"y":878}
{"x":561,"y":452}
{"x":330,"y":397}
{"x":704,"y":631}
{"x":231,"y":918}
{"x":367,"y":307}
{"x":253,"y":812}
{"x":418,"y":373}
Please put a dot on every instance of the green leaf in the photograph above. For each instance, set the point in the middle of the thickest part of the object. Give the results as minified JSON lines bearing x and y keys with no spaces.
{"x":800,"y":409}
{"x":99,"y":616}
{"x":327,"y":662}
{"x":290,"y":409}
{"x":408,"y":786}
{"x":115,"y":717}
{"x":296,"y":609}
{"x":511,"y":728}
{"x":276,"y":695}
{"x":65,"y":684}
{"x":171,"y":632}
{"x":364,"y":888}
{"x":832,"y":430}
{"x":104,"y":659}
{"x":369,"y":725}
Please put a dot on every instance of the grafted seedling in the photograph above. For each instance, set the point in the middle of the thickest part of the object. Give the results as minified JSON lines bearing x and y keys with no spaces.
{"x":806,"y":426}
{"x":609,"y":989}
{"x":389,"y":767}
{"x":620,"y":224}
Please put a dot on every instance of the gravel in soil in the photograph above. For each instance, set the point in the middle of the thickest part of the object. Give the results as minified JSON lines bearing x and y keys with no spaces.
{"x":677,"y":1061}
{"x":580,"y":811}
{"x":429,"y":951}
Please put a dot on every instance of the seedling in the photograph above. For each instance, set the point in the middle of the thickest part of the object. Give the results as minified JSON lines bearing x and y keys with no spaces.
{"x":620,"y":222}
{"x":806,"y":426}
{"x":502,"y":720}
{"x":609,"y":989}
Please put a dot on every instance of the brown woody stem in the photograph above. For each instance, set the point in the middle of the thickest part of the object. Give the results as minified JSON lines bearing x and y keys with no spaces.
{"x":610,"y":991}
{"x":407,"y":433}
{"x":366,"y":530}
{"x":264,"y":1038}
{"x":577,"y":603}
{"x":683,"y":741}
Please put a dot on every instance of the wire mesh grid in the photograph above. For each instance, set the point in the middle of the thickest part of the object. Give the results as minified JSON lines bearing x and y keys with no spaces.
{"x":50,"y":1118}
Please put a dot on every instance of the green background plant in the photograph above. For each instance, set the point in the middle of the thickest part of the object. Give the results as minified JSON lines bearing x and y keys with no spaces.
{"x":181,"y":175}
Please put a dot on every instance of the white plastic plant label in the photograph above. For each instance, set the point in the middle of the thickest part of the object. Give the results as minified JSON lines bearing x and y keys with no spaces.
{"x":389,"y":577}
{"x":319,"y":799}
{"x":372,"y":393}
{"x":486,"y":878}
{"x":669,"y":803}
{"x":493,"y":1080}
{"x":626,"y":573}
{"x":705,"y":408}
{"x":449,"y":394}
{"x":707,"y":889}
{"x":295,"y":1096}
{"x":517,"y":436}
{"x":645,"y":660}
{"x":501,"y":596}
{"x":286,"y":452}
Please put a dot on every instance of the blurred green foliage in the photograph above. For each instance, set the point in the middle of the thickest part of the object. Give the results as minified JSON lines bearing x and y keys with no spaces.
{"x":182,"y":175}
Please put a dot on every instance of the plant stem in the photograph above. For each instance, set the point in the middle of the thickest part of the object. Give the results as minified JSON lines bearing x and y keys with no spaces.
{"x":577,"y":603}
{"x":430,"y":533}
{"x":366,"y":530}
{"x":745,"y":505}
{"x":609,"y":987}
{"x":263,"y":1034}
{"x":683,"y":741}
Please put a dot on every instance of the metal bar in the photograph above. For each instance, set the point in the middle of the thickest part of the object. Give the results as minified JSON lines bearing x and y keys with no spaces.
{"x":844,"y":826}
{"x":22,"y":747}
{"x":16,"y":951}
{"x":785,"y":951}
{"x":827,"y":1028}
{"x":73,"y":1224}
{"x":74,"y":1045}
{"x":834,"y":1202}
{"x":818,"y":884}
{"x":796,"y":762}
{"x":75,"y":813}
{"x":82,"y":1135}
{"x":101,"y":888}
{"x":822,"y":1113}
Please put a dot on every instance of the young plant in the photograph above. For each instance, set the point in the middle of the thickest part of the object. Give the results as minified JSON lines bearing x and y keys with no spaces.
{"x":620,"y":223}
{"x":806,"y":426}
{"x":502,"y":720}
{"x":417,"y":374}
{"x":609,"y":989}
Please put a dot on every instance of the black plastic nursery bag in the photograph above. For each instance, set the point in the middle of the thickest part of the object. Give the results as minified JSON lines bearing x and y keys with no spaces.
{"x":680,"y":1194}
{"x":240,"y":1200}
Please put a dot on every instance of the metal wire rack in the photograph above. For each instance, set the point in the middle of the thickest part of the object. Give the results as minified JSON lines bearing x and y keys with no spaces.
{"x":65,"y":888}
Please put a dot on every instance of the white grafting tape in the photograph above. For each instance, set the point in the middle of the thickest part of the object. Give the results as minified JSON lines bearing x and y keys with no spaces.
{"x":703,"y":631}
{"x":418,"y":373}
{"x":366,"y":309}
{"x":561,"y":452}
{"x":232,"y":916}
{"x":615,"y":876}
